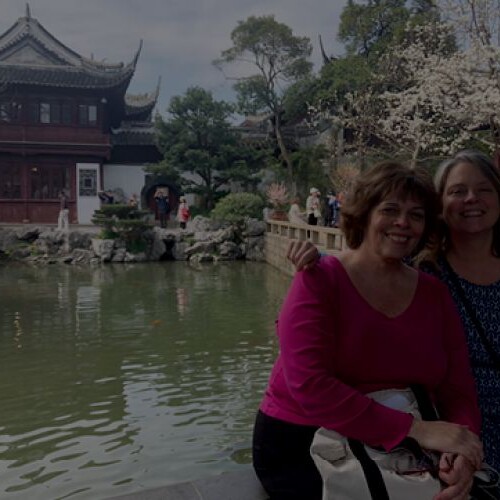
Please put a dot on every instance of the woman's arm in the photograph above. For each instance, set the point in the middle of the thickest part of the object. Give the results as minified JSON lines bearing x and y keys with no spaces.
{"x":307,"y":326}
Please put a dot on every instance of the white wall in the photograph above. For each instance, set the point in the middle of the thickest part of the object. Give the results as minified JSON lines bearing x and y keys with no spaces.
{"x":129,"y":178}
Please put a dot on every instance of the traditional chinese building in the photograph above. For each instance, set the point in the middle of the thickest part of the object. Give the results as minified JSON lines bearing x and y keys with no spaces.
{"x":66,"y":123}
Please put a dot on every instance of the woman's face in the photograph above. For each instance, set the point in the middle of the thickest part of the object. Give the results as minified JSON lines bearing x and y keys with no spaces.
{"x":395,"y":227}
{"x":470,"y":201}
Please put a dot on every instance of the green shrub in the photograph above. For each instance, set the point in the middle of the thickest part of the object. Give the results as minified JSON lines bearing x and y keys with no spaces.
{"x":125,"y":222}
{"x":120,"y":211}
{"x":236,"y":206}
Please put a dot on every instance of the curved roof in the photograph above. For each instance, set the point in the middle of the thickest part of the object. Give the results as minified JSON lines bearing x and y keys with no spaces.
{"x":140,"y":106}
{"x":29,"y":55}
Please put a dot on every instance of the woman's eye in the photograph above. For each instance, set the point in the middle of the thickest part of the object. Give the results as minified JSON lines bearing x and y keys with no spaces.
{"x":417,"y":216}
{"x":389,"y":210}
{"x":457,"y":191}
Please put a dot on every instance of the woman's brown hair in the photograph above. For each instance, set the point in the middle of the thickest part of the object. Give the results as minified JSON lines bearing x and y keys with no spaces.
{"x":376,"y":184}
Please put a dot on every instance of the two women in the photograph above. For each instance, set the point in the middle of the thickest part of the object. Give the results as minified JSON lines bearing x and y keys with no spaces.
{"x":466,"y":257}
{"x":363,"y":322}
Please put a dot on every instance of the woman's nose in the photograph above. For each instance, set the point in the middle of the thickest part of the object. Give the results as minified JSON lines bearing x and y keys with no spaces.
{"x":470,"y":196}
{"x":401,"y":219}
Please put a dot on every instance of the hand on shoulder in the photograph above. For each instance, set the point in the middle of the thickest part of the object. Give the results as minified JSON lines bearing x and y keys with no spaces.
{"x":302,"y":254}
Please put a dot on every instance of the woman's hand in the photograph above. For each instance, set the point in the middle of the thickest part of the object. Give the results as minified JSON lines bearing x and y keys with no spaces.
{"x":302,"y":254}
{"x":448,"y":438}
{"x":457,"y":472}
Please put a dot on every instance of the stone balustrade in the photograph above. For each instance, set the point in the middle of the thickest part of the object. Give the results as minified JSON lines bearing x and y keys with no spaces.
{"x":279,"y":233}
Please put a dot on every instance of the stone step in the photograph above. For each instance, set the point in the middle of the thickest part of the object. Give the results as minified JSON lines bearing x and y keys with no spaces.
{"x":240,"y":485}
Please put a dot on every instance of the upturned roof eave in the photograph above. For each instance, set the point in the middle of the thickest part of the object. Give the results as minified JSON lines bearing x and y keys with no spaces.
{"x":60,"y":78}
{"x":28,"y":27}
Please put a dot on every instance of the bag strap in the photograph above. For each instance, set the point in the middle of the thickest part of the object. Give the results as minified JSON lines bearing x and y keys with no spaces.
{"x":425,"y":405}
{"x":371,"y":470}
{"x":494,"y":356}
{"x":373,"y":476}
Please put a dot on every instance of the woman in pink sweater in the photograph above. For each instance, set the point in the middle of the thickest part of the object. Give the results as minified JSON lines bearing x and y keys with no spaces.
{"x":363,"y":322}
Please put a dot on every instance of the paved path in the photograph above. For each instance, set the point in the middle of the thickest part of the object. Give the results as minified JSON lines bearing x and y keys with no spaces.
{"x":242,"y":485}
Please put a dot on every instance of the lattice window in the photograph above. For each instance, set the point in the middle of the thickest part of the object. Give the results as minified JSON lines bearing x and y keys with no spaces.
{"x":10,"y":182}
{"x":48,"y":181}
{"x":88,"y":182}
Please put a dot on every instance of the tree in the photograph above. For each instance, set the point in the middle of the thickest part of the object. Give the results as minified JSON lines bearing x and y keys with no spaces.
{"x":453,"y":96}
{"x":279,"y":59}
{"x":198,"y":140}
{"x":369,"y":28}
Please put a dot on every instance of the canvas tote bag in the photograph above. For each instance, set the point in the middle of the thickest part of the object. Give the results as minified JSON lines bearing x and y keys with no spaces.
{"x":353,"y":471}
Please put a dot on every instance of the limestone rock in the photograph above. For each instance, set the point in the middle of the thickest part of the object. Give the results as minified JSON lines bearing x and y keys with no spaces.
{"x":157,"y":248}
{"x":103,"y":248}
{"x":229,"y":250}
{"x":200,"y":247}
{"x":179,"y":250}
{"x":77,"y":239}
{"x":8,"y":239}
{"x":254,"y":249}
{"x":201,"y":257}
{"x":29,"y":233}
{"x":254,"y":227}
{"x":119,"y":255}
{"x":81,"y":256}
{"x":135,"y":257}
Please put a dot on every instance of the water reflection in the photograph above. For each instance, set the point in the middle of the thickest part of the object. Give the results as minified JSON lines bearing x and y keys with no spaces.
{"x":118,"y":378}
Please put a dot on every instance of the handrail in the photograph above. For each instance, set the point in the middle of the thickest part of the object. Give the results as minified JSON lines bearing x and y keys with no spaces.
{"x":328,"y":239}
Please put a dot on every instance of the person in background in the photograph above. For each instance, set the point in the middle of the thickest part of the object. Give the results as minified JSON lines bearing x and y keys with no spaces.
{"x":295,"y":215}
{"x":361,"y":322}
{"x":183,"y":212}
{"x":107,"y":197}
{"x":133,"y":202}
{"x":63,"y":219}
{"x":331,"y":219}
{"x":466,"y":256}
{"x":313,"y":209}
{"x":163,"y":205}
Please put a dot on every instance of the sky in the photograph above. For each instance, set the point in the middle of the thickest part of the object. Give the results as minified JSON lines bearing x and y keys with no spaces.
{"x":181,"y":38}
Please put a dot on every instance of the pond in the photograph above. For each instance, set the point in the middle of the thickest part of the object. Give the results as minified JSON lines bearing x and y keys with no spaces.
{"x":120,"y":378}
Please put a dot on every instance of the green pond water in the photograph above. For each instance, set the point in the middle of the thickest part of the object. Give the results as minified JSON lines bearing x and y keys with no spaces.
{"x":121,"y":378}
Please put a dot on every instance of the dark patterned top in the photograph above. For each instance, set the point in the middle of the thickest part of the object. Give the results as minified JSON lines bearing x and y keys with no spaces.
{"x":485,"y":299}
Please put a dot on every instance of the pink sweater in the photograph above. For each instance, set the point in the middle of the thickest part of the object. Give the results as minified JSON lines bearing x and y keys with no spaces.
{"x":335,"y":347}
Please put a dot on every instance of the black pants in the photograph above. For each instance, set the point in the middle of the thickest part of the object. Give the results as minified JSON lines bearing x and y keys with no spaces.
{"x":312,"y":220}
{"x":282,"y":461}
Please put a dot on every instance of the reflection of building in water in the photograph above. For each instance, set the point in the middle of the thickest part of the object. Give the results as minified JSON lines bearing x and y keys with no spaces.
{"x":182,"y":300}
{"x":87,"y":309}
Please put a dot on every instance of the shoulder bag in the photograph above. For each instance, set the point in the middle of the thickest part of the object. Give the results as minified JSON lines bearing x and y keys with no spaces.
{"x":352,"y":470}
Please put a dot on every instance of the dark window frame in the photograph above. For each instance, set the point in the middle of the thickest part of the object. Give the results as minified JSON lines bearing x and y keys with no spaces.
{"x":47,"y":181}
{"x":10,"y":182}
